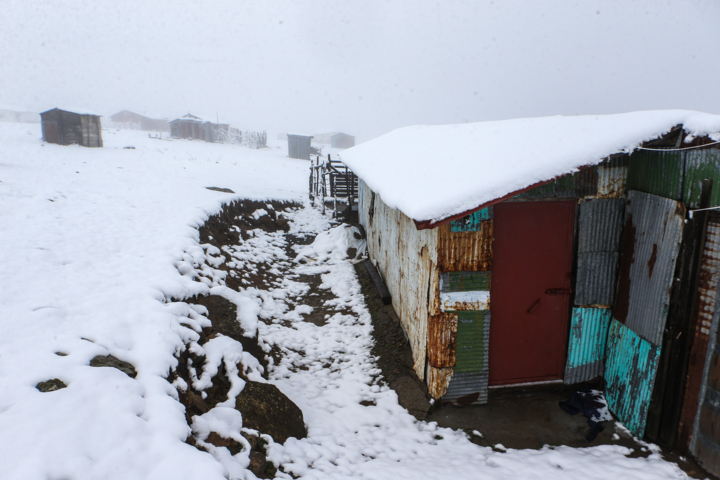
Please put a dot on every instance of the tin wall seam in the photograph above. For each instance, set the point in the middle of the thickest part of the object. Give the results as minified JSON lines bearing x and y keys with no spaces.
{"x":657,"y":224}
{"x":701,"y":165}
{"x":407,"y":259}
{"x":588,"y":340}
{"x":631,"y":365}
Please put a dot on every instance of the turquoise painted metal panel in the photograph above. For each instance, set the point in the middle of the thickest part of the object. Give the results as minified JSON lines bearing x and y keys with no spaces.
{"x":464,"y":281}
{"x":631,"y":366}
{"x":588,"y":339}
{"x":471,"y":223}
{"x":701,"y":165}
{"x":658,"y":173}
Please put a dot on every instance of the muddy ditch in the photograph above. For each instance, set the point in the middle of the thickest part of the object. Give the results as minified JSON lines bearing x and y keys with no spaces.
{"x":263,"y":407}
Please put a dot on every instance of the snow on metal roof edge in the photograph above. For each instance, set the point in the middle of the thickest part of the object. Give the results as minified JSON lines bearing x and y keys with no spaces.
{"x":431,"y":173}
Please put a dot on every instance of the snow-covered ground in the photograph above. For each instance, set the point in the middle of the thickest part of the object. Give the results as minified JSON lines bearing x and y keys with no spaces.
{"x":93,"y":245}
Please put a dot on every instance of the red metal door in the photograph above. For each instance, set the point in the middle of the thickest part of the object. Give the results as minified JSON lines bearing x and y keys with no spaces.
{"x":530,"y":290}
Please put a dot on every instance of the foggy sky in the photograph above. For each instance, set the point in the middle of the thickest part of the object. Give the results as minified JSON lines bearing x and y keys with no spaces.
{"x":361,"y":67}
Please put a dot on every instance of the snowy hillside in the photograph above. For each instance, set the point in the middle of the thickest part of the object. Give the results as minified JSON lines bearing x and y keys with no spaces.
{"x":95,"y":243}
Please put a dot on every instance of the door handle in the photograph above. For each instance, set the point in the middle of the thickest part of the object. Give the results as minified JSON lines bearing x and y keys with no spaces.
{"x":558,"y":291}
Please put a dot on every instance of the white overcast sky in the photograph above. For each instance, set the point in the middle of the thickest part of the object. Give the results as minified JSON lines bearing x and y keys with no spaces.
{"x":363,"y":67}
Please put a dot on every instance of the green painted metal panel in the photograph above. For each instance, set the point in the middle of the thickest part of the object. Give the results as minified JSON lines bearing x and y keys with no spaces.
{"x":464,"y":281}
{"x":472,"y":222}
{"x":656,"y":172}
{"x":586,"y":348}
{"x":471,"y":341}
{"x":631,"y":367}
{"x":543,"y":191}
{"x":701,"y":165}
{"x":573,"y":185}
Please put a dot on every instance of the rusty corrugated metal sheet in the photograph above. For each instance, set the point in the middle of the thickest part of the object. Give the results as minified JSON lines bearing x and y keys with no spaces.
{"x":656,"y":172}
{"x":708,"y":279}
{"x":586,"y":348}
{"x":701,"y":165}
{"x":442,"y":330}
{"x":407,"y":260}
{"x":631,"y":365}
{"x":599,"y":234}
{"x":438,"y":380}
{"x":704,"y":442}
{"x":459,"y":251}
{"x":612,"y":177}
{"x":651,"y":242}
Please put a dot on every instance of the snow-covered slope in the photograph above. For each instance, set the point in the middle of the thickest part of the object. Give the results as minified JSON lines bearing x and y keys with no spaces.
{"x":434,"y":172}
{"x":90,"y":239}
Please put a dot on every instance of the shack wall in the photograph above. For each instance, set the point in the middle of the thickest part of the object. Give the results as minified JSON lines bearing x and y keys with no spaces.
{"x":407,"y":260}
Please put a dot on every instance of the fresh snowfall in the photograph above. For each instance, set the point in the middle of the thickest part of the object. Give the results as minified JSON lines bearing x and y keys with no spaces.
{"x":102,"y":251}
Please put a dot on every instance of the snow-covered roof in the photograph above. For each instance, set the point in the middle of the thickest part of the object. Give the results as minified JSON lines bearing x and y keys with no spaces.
{"x":435,"y":172}
{"x":79,"y":111}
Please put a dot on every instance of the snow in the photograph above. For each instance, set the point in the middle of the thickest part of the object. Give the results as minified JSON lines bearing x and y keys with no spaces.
{"x":434,"y":172}
{"x":97,"y":244}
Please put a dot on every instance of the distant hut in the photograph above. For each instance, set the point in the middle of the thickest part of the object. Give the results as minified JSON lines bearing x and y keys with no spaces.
{"x":135,"y":121}
{"x":68,"y":128}
{"x":299,"y":146}
{"x":187,"y":126}
{"x":342,"y":140}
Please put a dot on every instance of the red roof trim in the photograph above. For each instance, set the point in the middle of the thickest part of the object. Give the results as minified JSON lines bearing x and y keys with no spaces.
{"x":426,"y":224}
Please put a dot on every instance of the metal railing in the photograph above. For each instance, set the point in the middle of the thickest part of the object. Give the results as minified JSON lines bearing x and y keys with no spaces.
{"x":331,"y":178}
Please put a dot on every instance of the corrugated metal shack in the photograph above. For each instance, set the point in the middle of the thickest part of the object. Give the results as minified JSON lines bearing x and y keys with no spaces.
{"x":69,"y":128}
{"x":299,"y":146}
{"x":342,"y":140}
{"x":135,"y":121}
{"x":606,"y":272}
{"x":188,"y":126}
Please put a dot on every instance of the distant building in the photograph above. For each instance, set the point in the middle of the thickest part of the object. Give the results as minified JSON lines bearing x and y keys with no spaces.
{"x":69,"y":128}
{"x":135,"y":121}
{"x":187,"y":126}
{"x":324,"y":137}
{"x":342,"y":140}
{"x":299,"y":146}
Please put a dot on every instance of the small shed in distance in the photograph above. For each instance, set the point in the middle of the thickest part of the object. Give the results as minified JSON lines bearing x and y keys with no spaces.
{"x":342,"y":140}
{"x":187,"y":126}
{"x":135,"y":121}
{"x":68,"y":128}
{"x":299,"y":146}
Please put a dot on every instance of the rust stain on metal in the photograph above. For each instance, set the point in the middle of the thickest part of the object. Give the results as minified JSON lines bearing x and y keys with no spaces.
{"x":652,"y":260}
{"x":442,"y":333}
{"x":622,"y":299}
{"x":438,"y":380}
{"x":465,"y":251}
{"x":708,"y":280}
{"x":466,"y":306}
